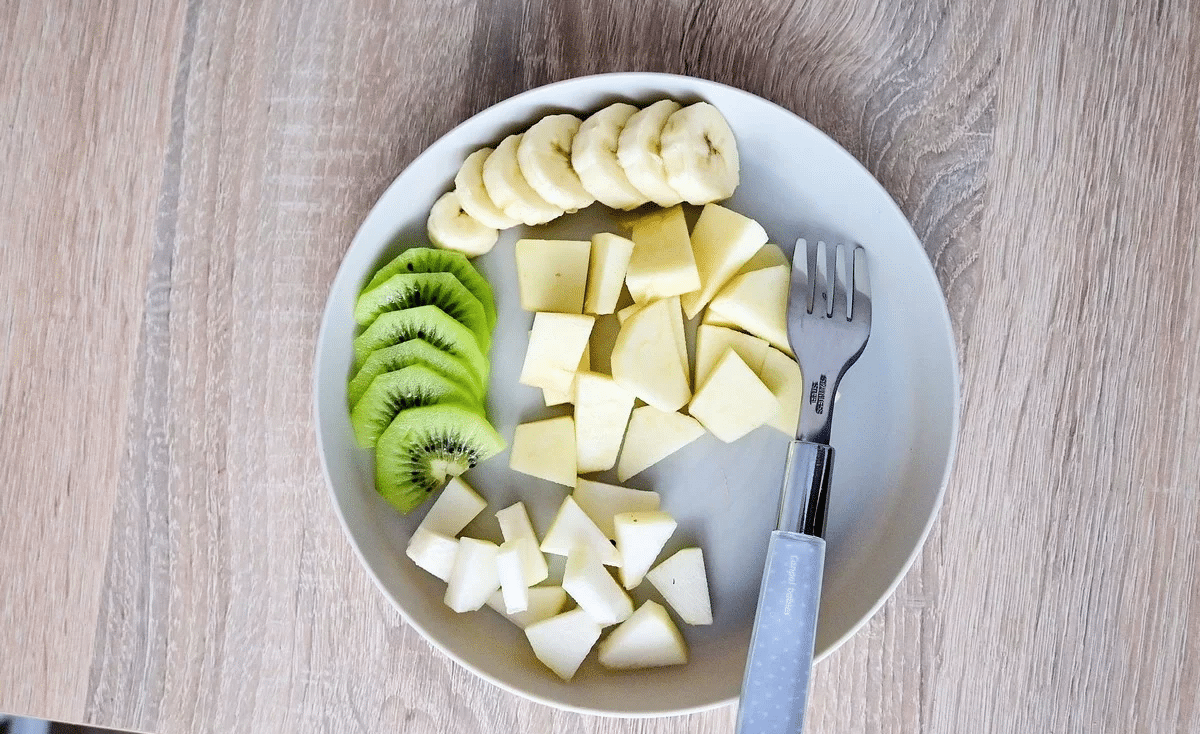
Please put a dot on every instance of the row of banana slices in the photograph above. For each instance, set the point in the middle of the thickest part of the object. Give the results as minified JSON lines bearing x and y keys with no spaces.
{"x":621,"y":156}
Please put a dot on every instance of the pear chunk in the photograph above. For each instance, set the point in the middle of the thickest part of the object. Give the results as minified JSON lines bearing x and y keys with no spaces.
{"x":640,"y":538}
{"x":514,"y":587}
{"x":682,"y":582}
{"x":662,"y":264}
{"x":556,"y":346}
{"x":433,"y":552}
{"x":646,"y":359}
{"x":733,"y":400}
{"x":473,"y":577}
{"x":563,"y":641}
{"x":572,"y":528}
{"x":713,"y":341}
{"x":515,"y":525}
{"x":456,"y":506}
{"x":593,"y":588}
{"x":722,"y":242}
{"x":781,"y":374}
{"x":552,"y":274}
{"x":544,"y":603}
{"x":603,"y":501}
{"x":602,"y":409}
{"x":648,"y":639}
{"x":769,"y":256}
{"x":545,"y":449}
{"x":756,"y":302}
{"x":654,"y":435}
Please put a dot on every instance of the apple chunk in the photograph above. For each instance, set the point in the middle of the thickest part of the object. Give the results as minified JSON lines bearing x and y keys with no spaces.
{"x":606,"y":272}
{"x":551,"y":274}
{"x":654,"y":435}
{"x":545,"y":449}
{"x":648,"y":639}
{"x":722,"y":242}
{"x":646,"y":360}
{"x":473,"y":577}
{"x":602,"y":410}
{"x":557,"y":343}
{"x":603,"y":501}
{"x":515,"y":525}
{"x":514,"y":587}
{"x":662,"y":264}
{"x":683,"y":583}
{"x":572,"y":528}
{"x":544,"y":603}
{"x":554,"y":397}
{"x":733,"y":401}
{"x":640,"y":538}
{"x":563,"y":641}
{"x":456,"y":506}
{"x":713,"y":341}
{"x":756,"y":302}
{"x":782,"y":376}
{"x":593,"y":588}
{"x":433,"y":552}
{"x":769,"y":256}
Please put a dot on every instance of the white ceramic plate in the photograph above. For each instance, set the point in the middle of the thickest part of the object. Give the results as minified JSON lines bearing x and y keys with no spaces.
{"x":894,"y":429}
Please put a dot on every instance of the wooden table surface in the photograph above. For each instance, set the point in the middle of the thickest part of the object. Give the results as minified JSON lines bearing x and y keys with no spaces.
{"x":179,"y":182}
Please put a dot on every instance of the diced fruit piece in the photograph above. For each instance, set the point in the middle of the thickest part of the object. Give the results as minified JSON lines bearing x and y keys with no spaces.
{"x":510,"y":570}
{"x":411,"y":387}
{"x":593,"y":588}
{"x":602,"y":501}
{"x":546,"y":449}
{"x":768,"y":256}
{"x":552,"y":274}
{"x":782,"y":376}
{"x":425,"y":447}
{"x":515,"y":525}
{"x":662,"y":264}
{"x":606,"y":272}
{"x":639,"y":149}
{"x":700,"y":154}
{"x":556,"y":345}
{"x":573,"y":528}
{"x":430,"y":324}
{"x":654,"y":435}
{"x":454,"y":508}
{"x":507,"y":188}
{"x":684,"y":584}
{"x":602,"y":410}
{"x":555,"y":397}
{"x":677,"y":330}
{"x":452,"y":228}
{"x":624,"y":314}
{"x":406,"y":354}
{"x":722,"y":241}
{"x":713,"y":341}
{"x":645,"y":358}
{"x":433,"y":552}
{"x":544,"y":603}
{"x":409,"y":290}
{"x":544,"y":156}
{"x":474,"y":576}
{"x":434,"y":260}
{"x":757,"y":302}
{"x":640,"y":537}
{"x":563,"y":641}
{"x":733,"y":401}
{"x":648,"y":639}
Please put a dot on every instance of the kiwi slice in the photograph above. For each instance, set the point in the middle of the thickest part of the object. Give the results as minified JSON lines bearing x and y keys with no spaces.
{"x":433,"y":260}
{"x":408,"y":290}
{"x":411,"y":387}
{"x":404,"y":354}
{"x":424,"y":447}
{"x":430,"y":324}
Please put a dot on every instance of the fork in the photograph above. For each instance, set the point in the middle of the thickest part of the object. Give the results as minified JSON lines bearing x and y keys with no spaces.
{"x":829,"y":322}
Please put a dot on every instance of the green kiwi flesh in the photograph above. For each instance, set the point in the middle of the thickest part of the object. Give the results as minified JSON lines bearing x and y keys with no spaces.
{"x":408,"y":290}
{"x":430,"y":324}
{"x":407,"y":353}
{"x":433,"y":260}
{"x":425,"y":447}
{"x":414,"y":386}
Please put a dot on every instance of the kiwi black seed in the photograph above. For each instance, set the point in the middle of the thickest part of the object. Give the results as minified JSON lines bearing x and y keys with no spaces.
{"x":430,"y":324}
{"x":404,"y":354}
{"x":411,"y":387}
{"x":425,"y":447}
{"x":433,"y":260}
{"x":408,"y":290}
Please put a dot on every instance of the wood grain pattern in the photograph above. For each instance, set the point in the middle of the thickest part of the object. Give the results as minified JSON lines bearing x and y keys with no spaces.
{"x":181,"y":181}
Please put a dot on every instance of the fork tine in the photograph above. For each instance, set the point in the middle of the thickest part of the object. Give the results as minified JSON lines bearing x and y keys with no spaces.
{"x":861,"y":287}
{"x":818,"y":272}
{"x":801,"y":283}
{"x":840,"y":263}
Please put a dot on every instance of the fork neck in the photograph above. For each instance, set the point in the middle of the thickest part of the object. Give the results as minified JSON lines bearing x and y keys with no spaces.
{"x":816,"y":405}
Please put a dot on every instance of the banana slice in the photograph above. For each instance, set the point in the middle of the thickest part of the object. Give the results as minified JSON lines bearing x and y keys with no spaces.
{"x":594,"y":158}
{"x":468,"y":184}
{"x":639,"y":149}
{"x":544,"y":156}
{"x":700,"y":154}
{"x":453,"y":229}
{"x":509,"y":190}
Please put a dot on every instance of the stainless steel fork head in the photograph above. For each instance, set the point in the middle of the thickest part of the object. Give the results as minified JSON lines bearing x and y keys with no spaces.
{"x":829,"y":322}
